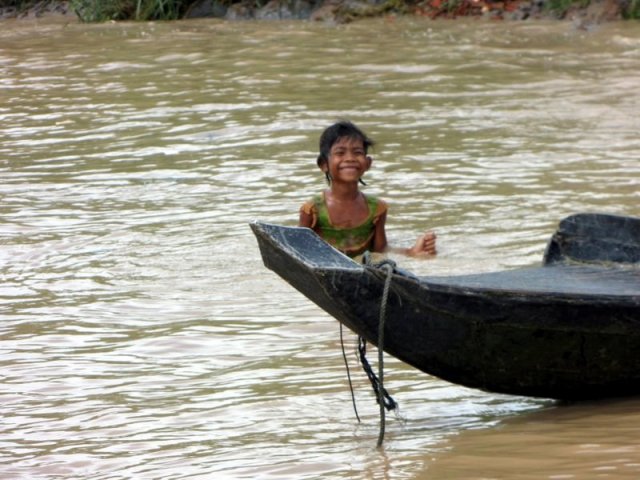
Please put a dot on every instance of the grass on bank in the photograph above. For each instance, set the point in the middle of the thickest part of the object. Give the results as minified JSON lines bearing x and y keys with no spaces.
{"x":102,"y":10}
{"x":105,"y":10}
{"x":144,"y":10}
{"x":632,"y":12}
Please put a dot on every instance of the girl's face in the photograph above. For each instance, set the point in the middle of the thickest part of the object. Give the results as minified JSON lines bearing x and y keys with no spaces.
{"x":348,"y":160}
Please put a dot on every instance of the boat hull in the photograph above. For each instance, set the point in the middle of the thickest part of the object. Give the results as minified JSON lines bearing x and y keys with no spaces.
{"x":512,"y":333}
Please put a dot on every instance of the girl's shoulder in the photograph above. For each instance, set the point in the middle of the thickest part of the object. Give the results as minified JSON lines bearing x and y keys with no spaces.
{"x":376,"y":204}
{"x":314,"y":209}
{"x":312,"y":205}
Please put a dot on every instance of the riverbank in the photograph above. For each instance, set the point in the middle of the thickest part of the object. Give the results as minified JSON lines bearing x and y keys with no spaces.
{"x":584,"y":14}
{"x":43,"y":9}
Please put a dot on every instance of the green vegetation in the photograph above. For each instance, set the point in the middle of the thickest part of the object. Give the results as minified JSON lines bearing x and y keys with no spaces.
{"x":632,"y":10}
{"x":561,"y":7}
{"x":102,"y":10}
{"x":629,"y":9}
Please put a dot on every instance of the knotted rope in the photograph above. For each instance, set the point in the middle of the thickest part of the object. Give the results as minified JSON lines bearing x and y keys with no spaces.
{"x":377,"y":382}
{"x":384,"y":399}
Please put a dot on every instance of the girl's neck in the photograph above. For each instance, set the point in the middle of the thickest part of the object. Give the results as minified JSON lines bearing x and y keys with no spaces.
{"x":344,"y":191}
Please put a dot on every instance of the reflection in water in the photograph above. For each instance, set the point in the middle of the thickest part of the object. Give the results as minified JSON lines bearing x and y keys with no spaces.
{"x":141,"y":335}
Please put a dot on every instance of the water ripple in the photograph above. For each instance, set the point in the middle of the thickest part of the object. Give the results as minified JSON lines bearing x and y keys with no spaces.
{"x":142,"y":337}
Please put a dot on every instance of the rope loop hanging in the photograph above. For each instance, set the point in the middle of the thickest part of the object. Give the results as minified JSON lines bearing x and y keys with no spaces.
{"x":385,"y":401}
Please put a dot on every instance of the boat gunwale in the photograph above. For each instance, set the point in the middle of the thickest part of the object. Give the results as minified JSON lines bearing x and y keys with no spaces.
{"x":311,"y":259}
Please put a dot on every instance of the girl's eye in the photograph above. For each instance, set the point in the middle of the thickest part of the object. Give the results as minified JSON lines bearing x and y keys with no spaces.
{"x":340,"y":153}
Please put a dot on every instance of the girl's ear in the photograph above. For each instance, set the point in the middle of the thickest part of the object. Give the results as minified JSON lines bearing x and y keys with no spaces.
{"x":324,"y":166}
{"x":322,"y":163}
{"x":369,"y":161}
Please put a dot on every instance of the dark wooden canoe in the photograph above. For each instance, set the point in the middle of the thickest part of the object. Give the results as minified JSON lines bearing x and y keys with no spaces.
{"x":569,"y":329}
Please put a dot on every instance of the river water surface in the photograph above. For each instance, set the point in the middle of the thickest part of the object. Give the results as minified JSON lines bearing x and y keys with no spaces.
{"x":141,"y":336}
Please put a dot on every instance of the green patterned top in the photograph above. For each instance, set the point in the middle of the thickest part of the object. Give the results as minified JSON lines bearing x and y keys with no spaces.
{"x":350,"y":241}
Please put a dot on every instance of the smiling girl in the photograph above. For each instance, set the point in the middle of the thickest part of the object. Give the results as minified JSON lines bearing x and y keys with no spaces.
{"x":342,"y":215}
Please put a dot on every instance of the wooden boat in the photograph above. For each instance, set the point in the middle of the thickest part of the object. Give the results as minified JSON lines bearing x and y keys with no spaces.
{"x":568,"y":329}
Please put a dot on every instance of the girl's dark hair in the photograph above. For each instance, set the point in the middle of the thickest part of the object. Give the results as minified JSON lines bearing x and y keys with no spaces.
{"x":341,"y":129}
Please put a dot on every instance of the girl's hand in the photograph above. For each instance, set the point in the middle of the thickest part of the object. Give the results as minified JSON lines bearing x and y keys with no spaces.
{"x":425,"y":245}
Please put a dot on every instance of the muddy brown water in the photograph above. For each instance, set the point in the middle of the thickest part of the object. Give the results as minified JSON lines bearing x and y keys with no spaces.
{"x":141,"y":337}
